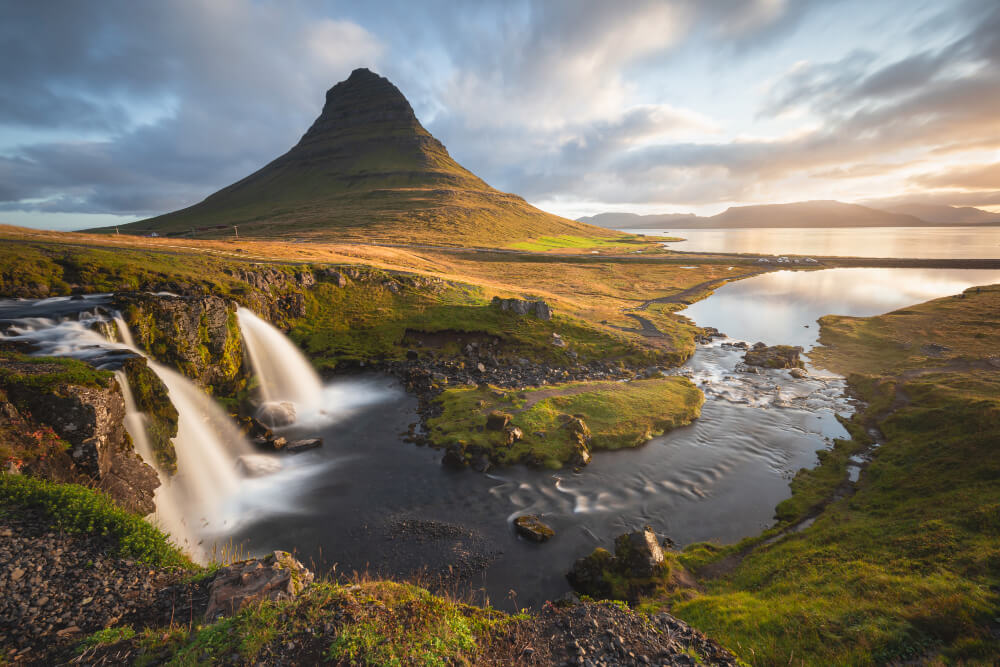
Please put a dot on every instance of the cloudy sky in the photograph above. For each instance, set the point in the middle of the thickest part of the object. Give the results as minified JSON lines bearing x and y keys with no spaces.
{"x":118,"y":110}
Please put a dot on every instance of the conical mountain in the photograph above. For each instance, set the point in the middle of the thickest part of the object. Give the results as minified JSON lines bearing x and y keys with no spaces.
{"x":366,"y":170}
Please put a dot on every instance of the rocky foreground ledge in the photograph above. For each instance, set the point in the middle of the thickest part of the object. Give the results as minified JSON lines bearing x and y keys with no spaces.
{"x":71,"y":598}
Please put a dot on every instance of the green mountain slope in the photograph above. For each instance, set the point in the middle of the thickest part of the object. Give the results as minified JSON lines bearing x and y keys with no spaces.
{"x":366,"y":170}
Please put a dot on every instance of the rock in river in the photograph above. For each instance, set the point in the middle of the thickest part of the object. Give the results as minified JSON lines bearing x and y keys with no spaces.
{"x":297,"y":446}
{"x":774,"y":356}
{"x":532,"y":528}
{"x":276,"y":415}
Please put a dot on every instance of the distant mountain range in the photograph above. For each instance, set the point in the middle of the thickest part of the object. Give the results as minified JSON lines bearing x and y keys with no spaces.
{"x":366,"y":170}
{"x":804,"y":214}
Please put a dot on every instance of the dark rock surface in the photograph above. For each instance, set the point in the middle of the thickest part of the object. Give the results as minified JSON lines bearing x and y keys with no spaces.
{"x":57,"y":588}
{"x":533,"y":528}
{"x":602,"y":634}
{"x":638,"y":565}
{"x":197,"y":335}
{"x":90,"y":418}
{"x":774,"y":356}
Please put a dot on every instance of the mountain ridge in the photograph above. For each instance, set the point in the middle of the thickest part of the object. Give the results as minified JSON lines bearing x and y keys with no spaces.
{"x":816,"y":213}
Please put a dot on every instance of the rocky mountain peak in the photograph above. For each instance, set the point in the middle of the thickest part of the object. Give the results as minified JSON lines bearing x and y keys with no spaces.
{"x":365,"y":98}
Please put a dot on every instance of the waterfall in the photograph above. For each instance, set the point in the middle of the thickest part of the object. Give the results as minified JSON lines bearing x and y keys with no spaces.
{"x":283,"y":372}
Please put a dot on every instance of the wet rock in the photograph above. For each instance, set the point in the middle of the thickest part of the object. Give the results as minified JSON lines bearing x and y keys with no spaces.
{"x":537,"y":308}
{"x":533,"y":528}
{"x":454,"y":457}
{"x":197,"y":335}
{"x":275,"y":415}
{"x":587,"y":575}
{"x":497,"y":421}
{"x":256,"y":465}
{"x":277,"y":576}
{"x":297,"y":446}
{"x":798,"y":373}
{"x":774,"y":356}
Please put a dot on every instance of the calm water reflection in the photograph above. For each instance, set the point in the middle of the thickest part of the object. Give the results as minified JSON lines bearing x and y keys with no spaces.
{"x":783,"y":307}
{"x":936,"y":242}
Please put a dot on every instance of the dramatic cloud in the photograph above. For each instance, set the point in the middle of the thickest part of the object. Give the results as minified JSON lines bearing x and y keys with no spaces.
{"x":139,"y":108}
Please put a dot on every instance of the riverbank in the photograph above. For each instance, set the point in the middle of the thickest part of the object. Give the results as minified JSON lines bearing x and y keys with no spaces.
{"x":123,"y":595}
{"x":888,"y":550}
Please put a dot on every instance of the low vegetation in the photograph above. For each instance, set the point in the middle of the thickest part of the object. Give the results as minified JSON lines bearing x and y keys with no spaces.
{"x":77,"y":509}
{"x":614,"y":414}
{"x":904,"y":564}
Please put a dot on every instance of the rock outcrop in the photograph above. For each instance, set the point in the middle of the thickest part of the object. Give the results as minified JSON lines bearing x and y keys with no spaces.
{"x":774,"y":356}
{"x":277,"y":576}
{"x":86,"y":410}
{"x":536,"y":308}
{"x":637,"y":567}
{"x":199,"y":336}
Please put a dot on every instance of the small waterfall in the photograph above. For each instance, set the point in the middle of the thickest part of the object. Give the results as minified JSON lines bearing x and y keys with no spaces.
{"x":283,"y":372}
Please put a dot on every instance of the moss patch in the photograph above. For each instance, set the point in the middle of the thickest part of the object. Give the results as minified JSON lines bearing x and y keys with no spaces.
{"x":617,"y":414}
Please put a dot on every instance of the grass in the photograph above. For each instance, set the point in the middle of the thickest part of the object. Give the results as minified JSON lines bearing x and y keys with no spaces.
{"x":617,"y":414}
{"x":20,"y":372}
{"x":372,"y":622}
{"x":908,"y":566}
{"x":77,"y":509}
{"x":571,"y":242}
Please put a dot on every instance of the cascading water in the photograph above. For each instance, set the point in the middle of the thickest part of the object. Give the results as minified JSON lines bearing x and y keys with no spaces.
{"x":283,"y":372}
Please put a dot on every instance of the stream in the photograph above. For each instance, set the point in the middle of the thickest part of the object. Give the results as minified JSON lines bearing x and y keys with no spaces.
{"x":367,"y":501}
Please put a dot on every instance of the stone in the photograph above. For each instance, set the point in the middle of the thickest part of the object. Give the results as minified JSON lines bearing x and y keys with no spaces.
{"x":534,"y":308}
{"x":557,"y":340}
{"x":277,"y":576}
{"x":774,"y":356}
{"x":275,"y":415}
{"x":639,"y":553}
{"x":481,"y":367}
{"x":257,"y":465}
{"x":497,"y":421}
{"x":798,"y":373}
{"x":533,"y":528}
{"x":512,"y":434}
{"x":335,"y":277}
{"x":454,"y":457}
{"x":587,"y":575}
{"x":297,"y":446}
{"x":278,"y":443}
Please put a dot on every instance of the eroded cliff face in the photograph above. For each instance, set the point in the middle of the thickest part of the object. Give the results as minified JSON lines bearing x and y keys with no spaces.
{"x":197,"y":335}
{"x":68,"y":424}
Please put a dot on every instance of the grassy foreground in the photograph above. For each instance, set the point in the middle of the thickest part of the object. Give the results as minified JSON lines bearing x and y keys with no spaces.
{"x":616,"y":414}
{"x":904,"y":564}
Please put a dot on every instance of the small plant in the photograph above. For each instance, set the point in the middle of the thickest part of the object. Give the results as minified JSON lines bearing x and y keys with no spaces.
{"x":107,"y":636}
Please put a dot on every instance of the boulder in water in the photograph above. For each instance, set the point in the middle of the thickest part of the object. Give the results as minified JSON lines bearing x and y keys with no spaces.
{"x":532,"y":528}
{"x":276,"y":415}
{"x":297,"y":446}
{"x":774,"y":356}
{"x":257,"y":465}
